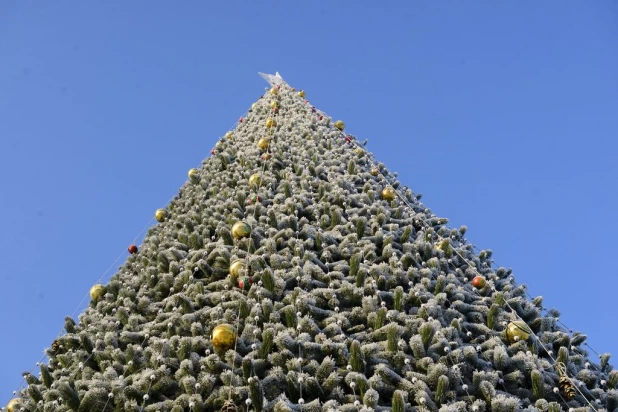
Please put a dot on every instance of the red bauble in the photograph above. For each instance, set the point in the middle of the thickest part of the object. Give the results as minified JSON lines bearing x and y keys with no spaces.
{"x":212,"y":152}
{"x":348,"y":139}
{"x":479,"y":282}
{"x":240,"y":120}
{"x":245,"y":283}
{"x":132,"y":249}
{"x":321,"y":117}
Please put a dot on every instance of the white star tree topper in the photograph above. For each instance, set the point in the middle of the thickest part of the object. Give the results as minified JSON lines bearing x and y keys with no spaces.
{"x":273,"y":79}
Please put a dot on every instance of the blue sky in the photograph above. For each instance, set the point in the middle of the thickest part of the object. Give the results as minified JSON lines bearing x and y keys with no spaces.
{"x":503,"y":114}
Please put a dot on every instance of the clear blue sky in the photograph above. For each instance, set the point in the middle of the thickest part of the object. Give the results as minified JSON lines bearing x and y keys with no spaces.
{"x":503,"y":114}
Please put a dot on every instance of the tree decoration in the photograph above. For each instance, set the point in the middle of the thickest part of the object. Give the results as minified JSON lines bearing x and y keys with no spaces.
{"x":55,"y":346}
{"x":374,"y":171}
{"x":245,"y":282}
{"x":263,"y":143}
{"x":339,"y":125}
{"x":274,"y":104}
{"x":236,"y":267}
{"x":517,"y":330}
{"x":254,"y":199}
{"x":274,"y":90}
{"x":302,"y":94}
{"x":194,"y":175}
{"x":229,"y":135}
{"x":161,"y":215}
{"x":564,"y":383}
{"x":14,"y":405}
{"x":241,"y":229}
{"x":132,"y":249}
{"x":266,"y":156}
{"x":253,"y":107}
{"x":97,"y":292}
{"x":229,"y":406}
{"x":255,"y":180}
{"x":270,"y":123}
{"x":388,"y":194}
{"x":479,"y":282}
{"x":223,"y":337}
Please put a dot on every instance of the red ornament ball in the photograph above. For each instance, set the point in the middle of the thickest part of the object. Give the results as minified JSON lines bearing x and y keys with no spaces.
{"x":348,"y":139}
{"x":245,"y":283}
{"x":321,"y":117}
{"x":132,"y":249}
{"x":240,"y":120}
{"x":212,"y":152}
{"x":479,"y":282}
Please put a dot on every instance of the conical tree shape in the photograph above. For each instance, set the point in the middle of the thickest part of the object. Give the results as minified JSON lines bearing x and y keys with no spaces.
{"x":338,"y":290}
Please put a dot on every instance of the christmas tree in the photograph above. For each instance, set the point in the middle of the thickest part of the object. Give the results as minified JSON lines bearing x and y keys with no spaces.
{"x":293,"y":272}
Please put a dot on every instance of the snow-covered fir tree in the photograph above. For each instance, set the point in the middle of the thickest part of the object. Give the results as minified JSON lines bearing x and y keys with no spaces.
{"x":293,"y":272}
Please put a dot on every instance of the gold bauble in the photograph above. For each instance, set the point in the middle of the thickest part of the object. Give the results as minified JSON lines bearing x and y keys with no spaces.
{"x":274,"y":104}
{"x":194,"y":176}
{"x":375,"y":171}
{"x":223,"y":337}
{"x":241,"y":229}
{"x":97,"y":292}
{"x":160,"y":215}
{"x":270,"y":123}
{"x":229,"y":135}
{"x":302,"y":94}
{"x":339,"y":125}
{"x":255,"y":180}
{"x":274,"y":90}
{"x":517,"y":330}
{"x":388,"y":194}
{"x":236,"y":267}
{"x":13,"y":405}
{"x":263,"y":143}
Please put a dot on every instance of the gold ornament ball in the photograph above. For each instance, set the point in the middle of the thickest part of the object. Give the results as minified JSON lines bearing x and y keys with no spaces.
{"x":374,"y":171}
{"x":229,"y":135}
{"x":274,"y":104}
{"x":194,"y":176}
{"x":517,"y":330}
{"x":339,"y":125}
{"x":255,"y":180}
{"x":270,"y":123}
{"x":13,"y":405}
{"x":388,"y":194}
{"x":240,"y":229}
{"x":160,"y":215}
{"x":223,"y":337}
{"x":236,"y":267}
{"x":274,"y":90}
{"x":263,"y":143}
{"x":97,"y":292}
{"x":302,"y":94}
